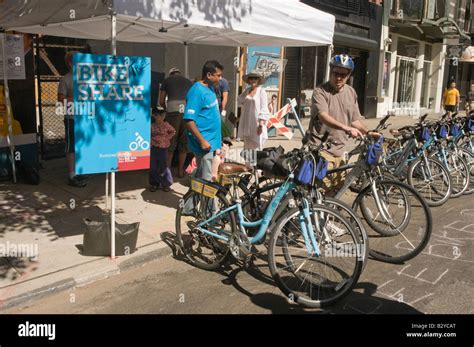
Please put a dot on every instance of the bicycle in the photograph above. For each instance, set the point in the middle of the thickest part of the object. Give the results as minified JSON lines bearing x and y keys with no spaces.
{"x":395,"y":234}
{"x":303,"y":256}
{"x":406,"y":158}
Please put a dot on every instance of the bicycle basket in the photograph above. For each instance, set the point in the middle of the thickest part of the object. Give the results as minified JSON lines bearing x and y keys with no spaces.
{"x":455,"y":130}
{"x":469,"y":125}
{"x":423,"y":134}
{"x":442,"y":131}
{"x":203,"y":187}
{"x":374,"y":151}
{"x":305,"y":171}
{"x":310,"y":168}
{"x":321,"y":168}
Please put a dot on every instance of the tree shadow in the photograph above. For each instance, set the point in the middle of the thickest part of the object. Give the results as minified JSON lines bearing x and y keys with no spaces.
{"x":13,"y":268}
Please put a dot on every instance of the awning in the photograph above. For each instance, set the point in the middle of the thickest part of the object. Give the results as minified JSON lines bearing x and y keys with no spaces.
{"x":212,"y":22}
{"x":341,"y":39}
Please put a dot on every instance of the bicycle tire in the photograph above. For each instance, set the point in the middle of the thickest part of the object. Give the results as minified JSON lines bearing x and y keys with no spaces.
{"x":468,"y":157}
{"x":377,"y":226}
{"x":379,"y":243}
{"x":335,"y":289}
{"x":187,"y":242}
{"x":457,"y":189}
{"x":446,"y":180}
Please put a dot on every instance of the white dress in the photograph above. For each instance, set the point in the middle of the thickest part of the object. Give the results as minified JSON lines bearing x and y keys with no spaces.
{"x":254,"y":108}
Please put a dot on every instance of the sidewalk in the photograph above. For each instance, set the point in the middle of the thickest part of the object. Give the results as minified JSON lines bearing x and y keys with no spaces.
{"x":50,"y":215}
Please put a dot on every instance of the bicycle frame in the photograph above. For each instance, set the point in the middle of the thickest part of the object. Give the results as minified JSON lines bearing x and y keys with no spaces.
{"x":304,"y":219}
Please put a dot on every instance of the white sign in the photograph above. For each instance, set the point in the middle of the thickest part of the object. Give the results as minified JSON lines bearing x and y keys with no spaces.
{"x":454,"y":51}
{"x":15,"y":57}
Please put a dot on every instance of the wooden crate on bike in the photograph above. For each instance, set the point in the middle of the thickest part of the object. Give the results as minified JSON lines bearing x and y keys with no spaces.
{"x":203,"y":187}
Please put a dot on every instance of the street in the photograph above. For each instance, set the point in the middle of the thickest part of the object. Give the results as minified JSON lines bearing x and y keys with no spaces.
{"x":438,"y":281}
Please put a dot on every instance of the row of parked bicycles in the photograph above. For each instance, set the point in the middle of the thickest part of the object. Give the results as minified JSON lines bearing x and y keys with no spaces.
{"x":317,"y":246}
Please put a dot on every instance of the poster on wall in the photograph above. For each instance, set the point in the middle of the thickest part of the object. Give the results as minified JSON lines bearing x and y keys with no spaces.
{"x":111,"y":113}
{"x":268,"y":62}
{"x":15,"y":57}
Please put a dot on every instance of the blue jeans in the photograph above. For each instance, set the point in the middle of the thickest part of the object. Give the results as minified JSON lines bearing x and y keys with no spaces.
{"x":204,"y":165}
{"x":159,"y":175}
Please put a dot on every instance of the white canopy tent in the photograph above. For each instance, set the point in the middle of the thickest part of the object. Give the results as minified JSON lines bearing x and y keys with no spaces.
{"x":212,"y":22}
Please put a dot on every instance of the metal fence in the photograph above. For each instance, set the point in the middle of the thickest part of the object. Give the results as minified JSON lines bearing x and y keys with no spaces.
{"x":50,"y":67}
{"x":51,"y":122}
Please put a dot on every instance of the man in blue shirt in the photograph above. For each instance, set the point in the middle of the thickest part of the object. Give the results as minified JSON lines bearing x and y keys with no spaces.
{"x":203,"y":119}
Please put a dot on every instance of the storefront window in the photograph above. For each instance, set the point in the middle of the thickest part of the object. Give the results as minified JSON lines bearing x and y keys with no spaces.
{"x":406,"y":78}
{"x":407,"y":48}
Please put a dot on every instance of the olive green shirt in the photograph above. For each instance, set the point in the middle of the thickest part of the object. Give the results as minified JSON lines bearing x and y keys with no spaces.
{"x":342,"y":106}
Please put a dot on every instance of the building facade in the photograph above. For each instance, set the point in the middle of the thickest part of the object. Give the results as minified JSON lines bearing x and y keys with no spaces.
{"x":422,"y":41}
{"x":357,"y":33}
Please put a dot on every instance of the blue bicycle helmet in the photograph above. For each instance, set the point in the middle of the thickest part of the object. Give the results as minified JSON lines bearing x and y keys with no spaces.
{"x":342,"y":60}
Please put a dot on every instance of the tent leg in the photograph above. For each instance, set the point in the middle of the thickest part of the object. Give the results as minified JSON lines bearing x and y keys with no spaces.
{"x":186,"y":62}
{"x":112,"y":216}
{"x":113,"y":48}
{"x":107,"y":191}
{"x":9,"y":108}
{"x":237,"y":84}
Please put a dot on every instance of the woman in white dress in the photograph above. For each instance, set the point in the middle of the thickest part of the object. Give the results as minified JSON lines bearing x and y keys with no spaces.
{"x":254,"y":115}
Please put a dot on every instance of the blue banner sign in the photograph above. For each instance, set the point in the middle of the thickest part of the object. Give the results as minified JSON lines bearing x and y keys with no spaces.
{"x":111,"y":112}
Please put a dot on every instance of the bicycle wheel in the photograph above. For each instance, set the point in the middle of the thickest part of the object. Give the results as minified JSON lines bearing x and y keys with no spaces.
{"x":397,"y":244}
{"x":311,"y":280}
{"x":468,"y":157}
{"x":458,"y":170}
{"x":347,"y":212}
{"x":430,"y":178}
{"x":392,"y":213}
{"x":202,"y":250}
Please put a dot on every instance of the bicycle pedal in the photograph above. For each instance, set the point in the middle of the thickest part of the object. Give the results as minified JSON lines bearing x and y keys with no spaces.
{"x":249,"y":260}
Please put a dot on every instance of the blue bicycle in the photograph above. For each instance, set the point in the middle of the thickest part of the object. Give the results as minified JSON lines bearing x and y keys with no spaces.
{"x":315,"y":255}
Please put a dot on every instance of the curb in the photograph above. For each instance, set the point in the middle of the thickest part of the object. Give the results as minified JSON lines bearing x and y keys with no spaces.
{"x":81,"y":281}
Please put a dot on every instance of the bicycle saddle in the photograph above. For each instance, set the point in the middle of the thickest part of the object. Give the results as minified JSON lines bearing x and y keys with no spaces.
{"x":233,"y":168}
{"x":395,"y":132}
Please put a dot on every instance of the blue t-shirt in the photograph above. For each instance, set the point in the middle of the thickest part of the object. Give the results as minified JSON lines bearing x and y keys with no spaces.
{"x":202,"y":108}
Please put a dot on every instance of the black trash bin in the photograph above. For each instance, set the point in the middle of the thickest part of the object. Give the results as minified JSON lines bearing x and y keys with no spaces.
{"x":97,"y":238}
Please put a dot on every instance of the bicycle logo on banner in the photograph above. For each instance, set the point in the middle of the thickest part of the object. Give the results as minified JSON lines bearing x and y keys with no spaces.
{"x":139,"y":143}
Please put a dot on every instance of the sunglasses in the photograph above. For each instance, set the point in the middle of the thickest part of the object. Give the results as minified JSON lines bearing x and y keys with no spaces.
{"x":253,"y":78}
{"x":340,"y":74}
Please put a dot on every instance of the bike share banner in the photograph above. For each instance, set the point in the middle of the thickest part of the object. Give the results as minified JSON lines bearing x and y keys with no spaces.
{"x":111,"y":113}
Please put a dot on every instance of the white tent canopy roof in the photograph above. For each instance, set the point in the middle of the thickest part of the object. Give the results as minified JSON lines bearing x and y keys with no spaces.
{"x":212,"y":22}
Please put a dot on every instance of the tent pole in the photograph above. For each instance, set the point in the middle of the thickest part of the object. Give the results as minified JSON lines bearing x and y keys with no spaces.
{"x":236,"y":96}
{"x":9,"y":107}
{"x":113,"y":48}
{"x":186,"y":62}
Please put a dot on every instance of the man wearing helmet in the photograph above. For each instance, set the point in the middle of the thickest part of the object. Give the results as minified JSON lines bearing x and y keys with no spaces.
{"x":335,"y":109}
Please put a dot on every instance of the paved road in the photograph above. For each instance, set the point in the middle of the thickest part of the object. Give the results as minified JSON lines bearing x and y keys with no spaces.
{"x":440,"y":280}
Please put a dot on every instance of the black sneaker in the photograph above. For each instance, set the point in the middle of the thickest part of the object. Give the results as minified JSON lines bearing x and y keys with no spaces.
{"x":75,"y":182}
{"x":153,"y":188}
